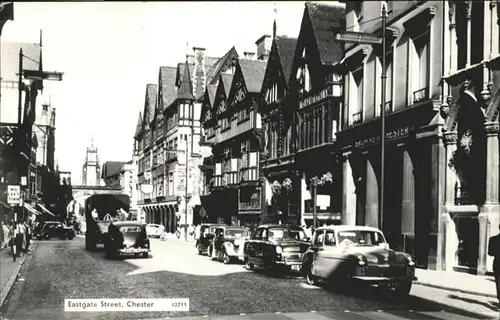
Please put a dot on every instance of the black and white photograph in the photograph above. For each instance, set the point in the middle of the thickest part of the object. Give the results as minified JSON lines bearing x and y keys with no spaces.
{"x":241,"y":160}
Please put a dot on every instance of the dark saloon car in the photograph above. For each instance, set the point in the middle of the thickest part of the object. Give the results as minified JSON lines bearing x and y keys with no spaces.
{"x":276,"y":247}
{"x":357,"y":253}
{"x":228,"y":244}
{"x":53,"y":229}
{"x":126,"y":238}
{"x":207,"y":233}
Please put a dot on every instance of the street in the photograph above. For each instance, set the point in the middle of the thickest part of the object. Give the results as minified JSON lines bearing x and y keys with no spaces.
{"x":64,"y":269}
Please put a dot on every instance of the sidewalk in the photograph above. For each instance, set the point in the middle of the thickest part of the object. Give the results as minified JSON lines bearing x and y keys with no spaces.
{"x":9,"y":271}
{"x":457,"y":281}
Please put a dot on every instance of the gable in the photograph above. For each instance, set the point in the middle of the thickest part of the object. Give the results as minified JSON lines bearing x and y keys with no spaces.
{"x":224,"y":63}
{"x":273,"y":70}
{"x":238,"y":91}
{"x":206,"y":112}
{"x":220,"y":102}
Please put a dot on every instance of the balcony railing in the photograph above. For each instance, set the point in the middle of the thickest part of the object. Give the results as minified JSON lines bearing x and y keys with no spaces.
{"x":314,"y":98}
{"x":253,"y":204}
{"x":232,"y":177}
{"x":250,"y":174}
{"x":218,"y":181}
{"x":357,"y":117}
{"x":420,"y":95}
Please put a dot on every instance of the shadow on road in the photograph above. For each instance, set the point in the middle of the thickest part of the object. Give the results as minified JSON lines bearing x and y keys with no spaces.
{"x":492,"y":305}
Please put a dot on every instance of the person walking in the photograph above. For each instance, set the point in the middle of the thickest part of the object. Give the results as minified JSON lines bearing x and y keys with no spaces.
{"x":19,"y":238}
{"x":13,"y":243}
{"x":29,"y":232}
{"x":494,"y":251}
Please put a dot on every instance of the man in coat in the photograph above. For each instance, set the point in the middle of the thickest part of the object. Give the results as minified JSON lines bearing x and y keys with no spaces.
{"x":494,"y":251}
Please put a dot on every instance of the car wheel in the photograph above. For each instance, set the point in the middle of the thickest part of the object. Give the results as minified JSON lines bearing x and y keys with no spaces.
{"x":249,"y":265}
{"x":199,"y":249}
{"x":402,"y":288}
{"x":310,"y":278}
{"x":226,"y":258}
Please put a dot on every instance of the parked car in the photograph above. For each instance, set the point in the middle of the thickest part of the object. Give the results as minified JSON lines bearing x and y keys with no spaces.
{"x":357,"y":253}
{"x":276,"y":247}
{"x":154,"y":230}
{"x":207,"y":232}
{"x":126,"y":238}
{"x":53,"y":229}
{"x":228,"y":244}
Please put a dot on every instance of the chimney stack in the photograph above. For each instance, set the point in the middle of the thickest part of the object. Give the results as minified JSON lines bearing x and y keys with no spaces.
{"x":199,"y":74}
{"x":249,"y":55}
{"x":263,"y":47}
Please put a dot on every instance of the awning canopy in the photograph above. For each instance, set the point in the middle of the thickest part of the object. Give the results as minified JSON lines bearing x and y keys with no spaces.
{"x":41,"y":206}
{"x":31,"y":209}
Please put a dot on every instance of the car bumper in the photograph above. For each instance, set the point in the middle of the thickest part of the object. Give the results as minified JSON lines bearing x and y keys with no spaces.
{"x":295,"y":266}
{"x":382,"y":279}
{"x":134,"y":250}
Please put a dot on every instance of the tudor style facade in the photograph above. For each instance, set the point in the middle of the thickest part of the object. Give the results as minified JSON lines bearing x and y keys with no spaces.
{"x":233,"y":129}
{"x":414,"y":152}
{"x":315,"y":92}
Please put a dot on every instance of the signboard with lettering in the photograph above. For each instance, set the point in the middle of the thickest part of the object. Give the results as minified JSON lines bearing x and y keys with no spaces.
{"x":13,"y":195}
{"x":391,"y":134}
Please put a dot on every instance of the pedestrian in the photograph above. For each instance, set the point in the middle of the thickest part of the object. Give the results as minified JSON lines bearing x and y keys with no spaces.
{"x":13,"y":233}
{"x":29,"y":232}
{"x":22,"y":227}
{"x":198,"y":232}
{"x":19,"y":238}
{"x":494,"y":251}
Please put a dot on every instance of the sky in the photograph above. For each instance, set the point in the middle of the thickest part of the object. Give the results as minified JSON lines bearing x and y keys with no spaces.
{"x":109,"y":51}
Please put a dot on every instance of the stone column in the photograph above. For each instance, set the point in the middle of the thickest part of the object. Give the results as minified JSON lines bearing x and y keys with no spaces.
{"x":371,"y":206}
{"x":468,"y":10}
{"x":408,"y":197}
{"x":453,"y":36}
{"x":489,"y":215}
{"x":348,"y":195}
{"x":495,"y":27}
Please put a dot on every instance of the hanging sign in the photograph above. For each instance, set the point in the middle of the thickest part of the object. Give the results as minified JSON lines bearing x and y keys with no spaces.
{"x":13,"y":194}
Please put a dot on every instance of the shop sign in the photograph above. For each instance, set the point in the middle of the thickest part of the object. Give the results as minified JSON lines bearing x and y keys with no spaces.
{"x":393,"y":134}
{"x":13,"y":195}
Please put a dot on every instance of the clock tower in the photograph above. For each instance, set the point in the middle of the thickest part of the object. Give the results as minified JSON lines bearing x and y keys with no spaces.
{"x":91,"y":175}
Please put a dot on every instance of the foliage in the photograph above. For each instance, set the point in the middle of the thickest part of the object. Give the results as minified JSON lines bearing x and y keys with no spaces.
{"x":287,"y":184}
{"x":325,"y":178}
{"x":276,"y":187}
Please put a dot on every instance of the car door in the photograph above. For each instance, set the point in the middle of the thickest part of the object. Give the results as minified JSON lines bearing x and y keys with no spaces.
{"x":328,"y":258}
{"x":316,"y":247}
{"x":253,"y":245}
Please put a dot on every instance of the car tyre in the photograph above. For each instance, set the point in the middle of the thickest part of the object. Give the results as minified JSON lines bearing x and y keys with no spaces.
{"x":310,"y":278}
{"x":402,"y":288}
{"x":249,"y":265}
{"x":226,"y":258}
{"x":200,"y":252}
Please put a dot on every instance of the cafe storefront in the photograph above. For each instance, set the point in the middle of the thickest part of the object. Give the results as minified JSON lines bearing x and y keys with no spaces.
{"x":413,"y":172}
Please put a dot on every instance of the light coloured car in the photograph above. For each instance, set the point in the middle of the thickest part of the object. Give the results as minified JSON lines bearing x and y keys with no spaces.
{"x":154,"y":230}
{"x":357,"y":253}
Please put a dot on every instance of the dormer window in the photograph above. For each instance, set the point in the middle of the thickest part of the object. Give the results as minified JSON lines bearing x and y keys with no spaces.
{"x":272,"y":94}
{"x":303,"y":76}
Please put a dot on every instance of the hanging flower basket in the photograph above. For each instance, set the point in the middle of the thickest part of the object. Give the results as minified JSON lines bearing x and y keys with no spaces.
{"x":276,"y":187}
{"x":460,"y":156}
{"x":325,"y":178}
{"x":287,"y":184}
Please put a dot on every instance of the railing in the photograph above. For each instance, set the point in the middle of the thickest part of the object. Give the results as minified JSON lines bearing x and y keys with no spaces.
{"x":357,"y":117}
{"x":249,"y":174}
{"x":462,"y":197}
{"x":253,"y":204}
{"x":232,"y":177}
{"x":420,"y":95}
{"x":314,"y":98}
{"x":218,"y":181}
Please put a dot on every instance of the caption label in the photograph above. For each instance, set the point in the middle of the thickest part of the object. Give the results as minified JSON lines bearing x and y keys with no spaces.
{"x":125,"y":305}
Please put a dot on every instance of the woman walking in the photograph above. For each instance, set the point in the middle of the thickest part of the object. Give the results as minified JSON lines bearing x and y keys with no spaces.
{"x":13,"y":240}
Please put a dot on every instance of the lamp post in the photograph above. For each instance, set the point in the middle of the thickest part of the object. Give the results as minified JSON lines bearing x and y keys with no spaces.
{"x":371,"y":39}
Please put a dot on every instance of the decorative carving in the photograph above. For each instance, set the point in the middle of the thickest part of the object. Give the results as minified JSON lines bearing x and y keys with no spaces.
{"x":450,"y":137}
{"x":491,"y":128}
{"x":445,"y":109}
{"x":466,"y":141}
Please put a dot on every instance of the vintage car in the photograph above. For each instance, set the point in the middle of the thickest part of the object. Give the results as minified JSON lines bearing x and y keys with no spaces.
{"x":276,"y":247}
{"x":53,"y":229}
{"x":207,"y":232}
{"x":228,"y":244}
{"x":126,"y":238}
{"x":357,"y":253}
{"x":154,"y":230}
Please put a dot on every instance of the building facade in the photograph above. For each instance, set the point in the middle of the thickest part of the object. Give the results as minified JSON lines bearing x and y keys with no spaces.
{"x":470,"y":103}
{"x":91,"y":170}
{"x":128,"y":184}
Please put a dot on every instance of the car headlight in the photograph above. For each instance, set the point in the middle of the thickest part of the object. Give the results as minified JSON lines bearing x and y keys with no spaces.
{"x":279,"y":250}
{"x":361,"y":260}
{"x":411,"y":263}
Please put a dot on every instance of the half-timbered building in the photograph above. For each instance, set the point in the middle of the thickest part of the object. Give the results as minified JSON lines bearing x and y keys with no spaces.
{"x":282,"y":199}
{"x":315,"y":94}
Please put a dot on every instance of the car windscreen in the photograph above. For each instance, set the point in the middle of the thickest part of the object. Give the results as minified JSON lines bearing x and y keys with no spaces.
{"x":153,"y":226}
{"x":361,"y":237}
{"x":287,"y":234}
{"x":130,"y":229}
{"x":236,"y":233}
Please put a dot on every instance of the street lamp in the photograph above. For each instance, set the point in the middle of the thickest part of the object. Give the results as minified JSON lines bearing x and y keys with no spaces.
{"x":371,"y":39}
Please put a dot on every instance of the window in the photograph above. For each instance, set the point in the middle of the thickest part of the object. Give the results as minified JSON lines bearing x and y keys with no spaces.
{"x":318,"y":237}
{"x":243,"y":115}
{"x":234,"y":164}
{"x":253,"y":159}
{"x":329,"y":238}
{"x":420,"y":67}
{"x":226,"y":123}
{"x":357,"y":97}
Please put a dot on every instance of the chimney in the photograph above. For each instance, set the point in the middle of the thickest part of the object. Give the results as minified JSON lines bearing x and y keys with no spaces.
{"x":263,"y":47}
{"x":249,"y":55}
{"x":199,"y":74}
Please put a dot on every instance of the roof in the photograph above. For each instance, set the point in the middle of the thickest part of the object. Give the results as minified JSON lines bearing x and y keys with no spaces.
{"x":220,"y":63}
{"x":10,"y":58}
{"x":253,"y":73}
{"x":110,"y":168}
{"x":127,"y":223}
{"x":138,"y":128}
{"x":185,"y":90}
{"x":150,"y":102}
{"x":286,"y":51}
{"x":168,"y":88}
{"x":351,"y":228}
{"x":227,"y":79}
{"x":326,"y":20}
{"x":279,"y":226}
{"x":212,"y":91}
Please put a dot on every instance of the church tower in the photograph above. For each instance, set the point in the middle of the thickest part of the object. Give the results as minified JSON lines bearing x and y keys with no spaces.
{"x":91,"y":174}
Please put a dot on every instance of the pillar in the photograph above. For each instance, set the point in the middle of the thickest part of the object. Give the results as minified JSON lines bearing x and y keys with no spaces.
{"x":437,"y":177}
{"x":371,"y":206}
{"x":468,"y":9}
{"x":447,"y":237}
{"x":348,"y":195}
{"x":489,"y":215}
{"x":453,"y":36}
{"x":408,"y":197}
{"x":495,"y":21}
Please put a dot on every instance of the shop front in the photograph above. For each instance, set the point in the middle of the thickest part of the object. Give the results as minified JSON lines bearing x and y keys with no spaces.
{"x":414,"y":173}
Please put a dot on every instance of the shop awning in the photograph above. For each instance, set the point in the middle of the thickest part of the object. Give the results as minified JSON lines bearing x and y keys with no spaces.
{"x":31,"y":209}
{"x":41,"y":206}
